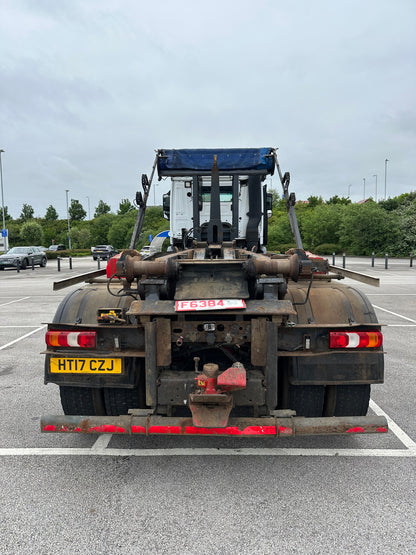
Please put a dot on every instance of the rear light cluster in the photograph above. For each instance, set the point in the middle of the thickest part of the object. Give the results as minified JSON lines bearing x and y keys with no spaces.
{"x":85,"y":339}
{"x":355,"y":339}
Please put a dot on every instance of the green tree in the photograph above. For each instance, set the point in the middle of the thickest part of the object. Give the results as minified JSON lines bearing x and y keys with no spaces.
{"x":154,"y":223}
{"x":80,"y":237}
{"x":32,"y":233}
{"x":280,"y":232}
{"x":322,"y":225}
{"x":124,"y":206}
{"x":51,"y":214}
{"x":406,"y":242}
{"x":100,"y":227}
{"x":121,"y":230}
{"x":339,"y":200}
{"x":367,"y":228}
{"x":101,"y":208}
{"x":76,"y":211}
{"x":314,"y":201}
{"x":7,"y":216}
{"x":27,"y":212}
{"x":55,"y":231}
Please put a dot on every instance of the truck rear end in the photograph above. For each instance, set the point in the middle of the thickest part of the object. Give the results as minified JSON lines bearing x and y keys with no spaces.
{"x":217,"y":336}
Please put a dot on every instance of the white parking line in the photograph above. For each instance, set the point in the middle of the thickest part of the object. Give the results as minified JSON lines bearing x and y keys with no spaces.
{"x":23,"y":337}
{"x":13,"y":327}
{"x":100,"y":448}
{"x":15,"y":301}
{"x":394,"y":313}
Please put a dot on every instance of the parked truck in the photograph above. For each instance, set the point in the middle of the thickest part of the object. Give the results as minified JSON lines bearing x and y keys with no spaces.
{"x":217,"y":335}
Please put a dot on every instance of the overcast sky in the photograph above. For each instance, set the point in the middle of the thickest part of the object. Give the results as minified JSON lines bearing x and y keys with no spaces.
{"x":90,"y":88}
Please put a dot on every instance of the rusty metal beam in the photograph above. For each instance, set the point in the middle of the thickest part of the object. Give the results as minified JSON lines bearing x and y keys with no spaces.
{"x":77,"y":279}
{"x":238,"y":427}
{"x":358,"y":276}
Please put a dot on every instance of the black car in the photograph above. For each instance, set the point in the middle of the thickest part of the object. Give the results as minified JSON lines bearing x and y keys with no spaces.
{"x":22,"y":257}
{"x":57,"y":248}
{"x":103,"y":251}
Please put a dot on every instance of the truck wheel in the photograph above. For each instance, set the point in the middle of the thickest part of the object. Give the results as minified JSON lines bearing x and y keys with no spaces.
{"x":119,"y":400}
{"x":347,"y":400}
{"x":82,"y":400}
{"x":307,"y":400}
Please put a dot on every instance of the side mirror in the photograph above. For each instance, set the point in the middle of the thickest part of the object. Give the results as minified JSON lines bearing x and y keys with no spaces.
{"x":269,"y":202}
{"x":166,"y":206}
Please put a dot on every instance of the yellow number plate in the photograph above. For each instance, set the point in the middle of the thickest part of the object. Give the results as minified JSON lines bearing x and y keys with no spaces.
{"x":86,"y":365}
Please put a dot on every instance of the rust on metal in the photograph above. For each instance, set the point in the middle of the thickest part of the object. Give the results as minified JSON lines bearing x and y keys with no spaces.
{"x":152,"y":424}
{"x":358,"y":276}
{"x":264,"y":307}
{"x":258,"y":342}
{"x":164,"y":346}
{"x":61,"y":284}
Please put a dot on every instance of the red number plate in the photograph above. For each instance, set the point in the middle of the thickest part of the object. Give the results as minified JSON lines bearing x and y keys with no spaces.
{"x":209,"y":304}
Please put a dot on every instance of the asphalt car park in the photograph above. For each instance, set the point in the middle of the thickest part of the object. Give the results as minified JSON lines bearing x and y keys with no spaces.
{"x":117,"y":494}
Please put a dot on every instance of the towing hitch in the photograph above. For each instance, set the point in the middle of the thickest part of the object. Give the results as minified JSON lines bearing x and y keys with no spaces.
{"x":212,"y":403}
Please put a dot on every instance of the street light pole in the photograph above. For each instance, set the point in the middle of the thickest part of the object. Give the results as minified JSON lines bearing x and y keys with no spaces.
{"x":6,"y":239}
{"x":67,"y":217}
{"x":89,"y":216}
{"x":349,"y":190}
{"x":375,"y":175}
{"x":385,"y":178}
{"x":364,"y":187}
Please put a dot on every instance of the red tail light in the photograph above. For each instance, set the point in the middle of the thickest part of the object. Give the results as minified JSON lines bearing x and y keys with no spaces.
{"x":355,"y":339}
{"x":111,"y":265}
{"x":84,"y":339}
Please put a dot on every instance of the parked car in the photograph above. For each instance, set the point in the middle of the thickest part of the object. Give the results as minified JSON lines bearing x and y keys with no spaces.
{"x":103,"y":251}
{"x":57,"y":248}
{"x":145,"y":251}
{"x":22,"y":256}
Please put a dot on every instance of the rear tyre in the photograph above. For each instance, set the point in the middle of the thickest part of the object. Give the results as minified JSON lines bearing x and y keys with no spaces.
{"x":82,"y":400}
{"x":118,"y":401}
{"x":307,"y":400}
{"x":348,"y":400}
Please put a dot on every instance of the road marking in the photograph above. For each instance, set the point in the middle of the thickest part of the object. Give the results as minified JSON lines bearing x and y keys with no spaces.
{"x":397,"y":431}
{"x":399,"y":325}
{"x":394,"y":313}
{"x":12,"y":327}
{"x":100,"y":448}
{"x":15,"y":301}
{"x":23,"y":337}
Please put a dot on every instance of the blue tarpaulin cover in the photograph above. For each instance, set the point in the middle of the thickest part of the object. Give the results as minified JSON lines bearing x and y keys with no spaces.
{"x":202,"y":159}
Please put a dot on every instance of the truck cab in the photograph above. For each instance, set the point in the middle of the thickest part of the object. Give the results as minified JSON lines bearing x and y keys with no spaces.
{"x":241,"y":204}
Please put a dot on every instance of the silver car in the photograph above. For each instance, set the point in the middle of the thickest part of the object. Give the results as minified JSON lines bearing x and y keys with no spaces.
{"x":23,"y":256}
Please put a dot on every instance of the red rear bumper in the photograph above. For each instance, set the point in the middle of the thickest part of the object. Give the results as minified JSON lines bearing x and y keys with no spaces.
{"x":238,"y":427}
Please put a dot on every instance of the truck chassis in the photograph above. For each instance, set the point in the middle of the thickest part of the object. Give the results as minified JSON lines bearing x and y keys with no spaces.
{"x":218,"y":337}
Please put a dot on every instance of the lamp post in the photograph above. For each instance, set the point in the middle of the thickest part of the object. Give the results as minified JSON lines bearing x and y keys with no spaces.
{"x":349,"y":190}
{"x":6,"y":241}
{"x":375,"y":175}
{"x":67,"y":217}
{"x":89,"y":216}
{"x":364,"y":187}
{"x":385,"y":178}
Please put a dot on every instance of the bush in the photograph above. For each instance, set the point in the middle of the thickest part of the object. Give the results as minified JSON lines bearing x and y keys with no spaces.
{"x":53,"y":255}
{"x":283,"y":247}
{"x":328,"y":248}
{"x":31,"y":233}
